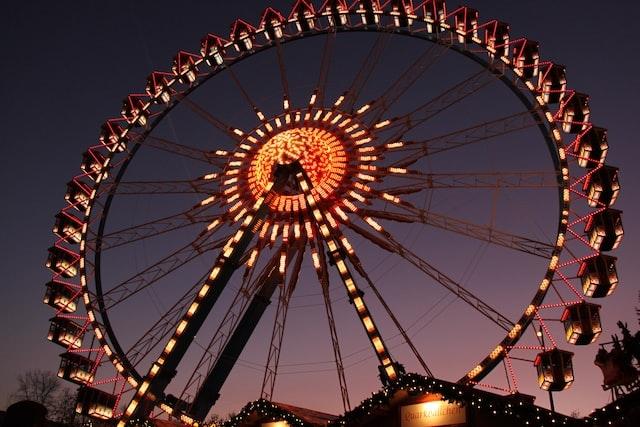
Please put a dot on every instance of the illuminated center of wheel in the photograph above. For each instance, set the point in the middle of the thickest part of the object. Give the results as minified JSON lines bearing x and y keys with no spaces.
{"x":320,"y":153}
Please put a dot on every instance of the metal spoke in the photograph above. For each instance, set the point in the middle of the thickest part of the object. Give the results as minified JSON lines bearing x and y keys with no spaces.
{"x":355,"y":261}
{"x":283,"y":72}
{"x":485,"y":233}
{"x":210,"y":118}
{"x":384,"y":240}
{"x":160,"y":269}
{"x":195,"y":215}
{"x":229,"y":322}
{"x":242,"y":90}
{"x":182,"y":150}
{"x":186,"y":186}
{"x":155,"y":334}
{"x":255,"y":302}
{"x":477,"y":180}
{"x":277,"y":334}
{"x":389,"y":370}
{"x":322,"y":270}
{"x":402,"y":124}
{"x":364,"y":73}
{"x":162,"y":371}
{"x":403,"y":83}
{"x":325,"y":63}
{"x":471,"y":135}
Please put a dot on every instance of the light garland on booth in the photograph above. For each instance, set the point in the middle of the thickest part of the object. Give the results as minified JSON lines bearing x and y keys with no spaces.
{"x":524,"y":413}
{"x":267,"y":409}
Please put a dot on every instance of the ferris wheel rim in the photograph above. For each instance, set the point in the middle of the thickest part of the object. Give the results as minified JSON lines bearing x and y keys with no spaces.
{"x":458,"y":49}
{"x":547,"y":134}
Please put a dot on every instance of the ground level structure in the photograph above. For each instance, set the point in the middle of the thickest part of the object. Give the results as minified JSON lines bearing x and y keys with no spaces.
{"x":417,"y":401}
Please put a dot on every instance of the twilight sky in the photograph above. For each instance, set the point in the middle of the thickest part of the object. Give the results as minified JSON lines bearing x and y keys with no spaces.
{"x":67,"y":66}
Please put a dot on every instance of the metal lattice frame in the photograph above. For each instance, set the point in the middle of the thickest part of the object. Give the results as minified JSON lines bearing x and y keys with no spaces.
{"x":75,"y":257}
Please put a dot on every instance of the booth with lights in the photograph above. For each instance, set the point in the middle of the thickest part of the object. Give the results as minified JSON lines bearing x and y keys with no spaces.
{"x":414,"y":401}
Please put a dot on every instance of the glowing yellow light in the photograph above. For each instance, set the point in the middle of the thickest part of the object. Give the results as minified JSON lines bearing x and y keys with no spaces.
{"x":365,"y":177}
{"x":382,"y":124}
{"x":107,"y":350}
{"x":316,"y":259}
{"x":390,"y":198}
{"x":544,"y":284}
{"x":240,"y":214}
{"x":396,"y":144}
{"x":364,"y":141}
{"x":343,"y":216}
{"x":368,"y":324}
{"x":496,"y":352}
{"x":207,"y":201}
{"x":170,"y":345}
{"x":363,"y":109}
{"x":515,"y":331}
{"x":344,"y":122}
{"x":230,"y":190}
{"x":474,"y":372}
{"x":252,"y":257}
{"x":377,"y":343}
{"x":274,"y":232}
{"x":283,"y":262}
{"x":192,"y":308}
{"x":397,"y":170}
{"x":308,"y":229}
{"x":213,"y":224}
{"x":320,"y":153}
{"x":349,"y":205}
{"x":373,"y":223}
{"x":132,"y":407}
{"x":205,"y":288}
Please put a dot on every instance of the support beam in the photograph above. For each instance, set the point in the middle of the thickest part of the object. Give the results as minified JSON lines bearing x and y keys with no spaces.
{"x":164,"y":368}
{"x":390,"y":371}
{"x":209,"y":391}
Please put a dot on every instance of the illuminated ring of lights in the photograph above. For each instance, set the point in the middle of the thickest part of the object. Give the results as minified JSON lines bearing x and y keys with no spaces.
{"x":497,"y":354}
{"x":550,"y":132}
{"x":332,"y":147}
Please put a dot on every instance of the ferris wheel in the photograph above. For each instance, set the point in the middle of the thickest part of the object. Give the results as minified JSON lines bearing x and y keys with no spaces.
{"x":384,"y":152}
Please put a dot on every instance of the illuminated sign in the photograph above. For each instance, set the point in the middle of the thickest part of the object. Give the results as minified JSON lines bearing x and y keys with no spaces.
{"x":276,"y":424}
{"x":431,"y":414}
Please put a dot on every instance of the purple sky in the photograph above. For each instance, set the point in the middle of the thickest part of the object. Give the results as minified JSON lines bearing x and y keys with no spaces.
{"x":67,"y":67}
